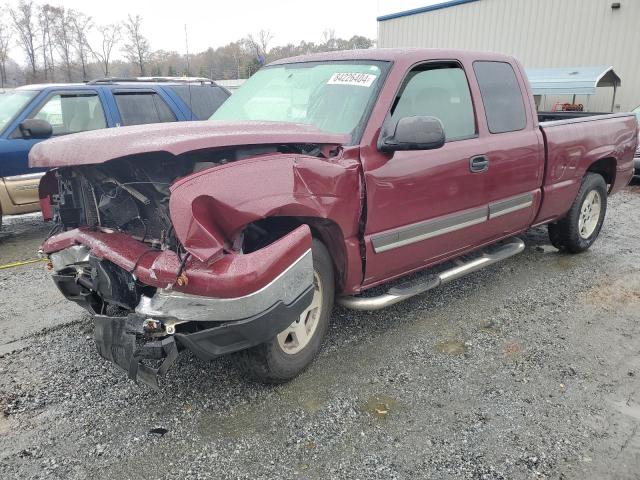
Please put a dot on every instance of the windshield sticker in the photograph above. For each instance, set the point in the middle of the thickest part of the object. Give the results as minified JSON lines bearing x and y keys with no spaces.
{"x":358,"y":79}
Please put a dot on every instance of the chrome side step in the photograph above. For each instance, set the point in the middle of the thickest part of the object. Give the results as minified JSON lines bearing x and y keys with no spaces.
{"x":411,"y":289}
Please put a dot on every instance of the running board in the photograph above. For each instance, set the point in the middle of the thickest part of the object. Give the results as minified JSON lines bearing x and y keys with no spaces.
{"x":411,"y":289}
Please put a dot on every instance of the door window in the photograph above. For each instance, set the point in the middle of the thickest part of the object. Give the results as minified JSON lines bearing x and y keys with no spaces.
{"x":203,"y":100}
{"x":138,"y":108}
{"x":73,"y":112}
{"x":501,"y":96}
{"x":440,"y":91}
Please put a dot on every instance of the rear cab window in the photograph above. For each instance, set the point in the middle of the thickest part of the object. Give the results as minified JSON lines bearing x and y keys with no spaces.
{"x":142,"y":107}
{"x":501,"y":96}
{"x":202,"y":100}
{"x":438,"y":90}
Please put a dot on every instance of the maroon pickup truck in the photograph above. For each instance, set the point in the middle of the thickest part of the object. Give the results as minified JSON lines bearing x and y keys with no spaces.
{"x":323,"y":176}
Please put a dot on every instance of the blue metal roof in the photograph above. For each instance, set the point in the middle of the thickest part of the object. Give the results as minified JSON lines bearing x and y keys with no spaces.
{"x":429,"y":8}
{"x":571,"y":80}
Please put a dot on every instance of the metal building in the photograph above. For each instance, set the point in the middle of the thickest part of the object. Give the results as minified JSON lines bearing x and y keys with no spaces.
{"x":541,"y":33}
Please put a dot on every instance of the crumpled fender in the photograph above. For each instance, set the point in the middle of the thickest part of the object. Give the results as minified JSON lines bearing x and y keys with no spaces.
{"x":234,"y":275}
{"x":210,"y":207}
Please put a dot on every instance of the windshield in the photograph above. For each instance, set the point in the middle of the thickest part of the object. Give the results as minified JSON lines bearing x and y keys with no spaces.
{"x":333,"y":97}
{"x":11,"y":104}
{"x":637,"y":112}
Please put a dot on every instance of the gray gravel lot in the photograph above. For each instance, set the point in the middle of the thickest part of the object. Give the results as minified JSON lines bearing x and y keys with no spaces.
{"x":529,"y":369}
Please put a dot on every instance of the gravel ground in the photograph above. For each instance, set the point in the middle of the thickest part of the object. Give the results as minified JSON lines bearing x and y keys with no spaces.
{"x":529,"y":369}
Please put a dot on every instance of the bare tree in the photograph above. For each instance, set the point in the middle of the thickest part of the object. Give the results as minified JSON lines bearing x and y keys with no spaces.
{"x":264,"y":39}
{"x":260,"y":44}
{"x":63,"y":38}
{"x":46,"y":18}
{"x":137,"y":49}
{"x":23,"y":18}
{"x":110,"y":37}
{"x":5,"y":39}
{"x":80,"y":27}
{"x":329,"y":36}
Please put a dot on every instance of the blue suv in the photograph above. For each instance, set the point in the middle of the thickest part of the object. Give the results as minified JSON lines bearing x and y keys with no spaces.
{"x":32,"y":113}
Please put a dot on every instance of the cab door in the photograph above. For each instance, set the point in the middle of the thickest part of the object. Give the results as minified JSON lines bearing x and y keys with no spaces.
{"x":424,"y":205}
{"x":514,"y":147}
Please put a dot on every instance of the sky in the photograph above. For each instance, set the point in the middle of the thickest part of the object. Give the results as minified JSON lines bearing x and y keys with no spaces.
{"x":217,"y":23}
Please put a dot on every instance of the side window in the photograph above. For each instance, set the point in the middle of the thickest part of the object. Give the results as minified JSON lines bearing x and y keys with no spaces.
{"x":137,"y":108}
{"x":203,"y":100}
{"x":440,"y":91}
{"x":501,"y":96}
{"x":73,"y":112}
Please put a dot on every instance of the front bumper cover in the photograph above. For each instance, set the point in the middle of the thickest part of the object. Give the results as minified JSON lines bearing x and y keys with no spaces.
{"x":122,"y":339}
{"x":207,"y":326}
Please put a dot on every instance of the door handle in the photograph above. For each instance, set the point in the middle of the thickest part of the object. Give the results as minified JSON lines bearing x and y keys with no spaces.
{"x":479,"y":163}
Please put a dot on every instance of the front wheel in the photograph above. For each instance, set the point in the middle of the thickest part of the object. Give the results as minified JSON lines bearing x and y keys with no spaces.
{"x":577,"y":231}
{"x":292,"y":350}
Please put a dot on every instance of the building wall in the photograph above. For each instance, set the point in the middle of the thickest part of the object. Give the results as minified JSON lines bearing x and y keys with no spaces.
{"x":541,"y":33}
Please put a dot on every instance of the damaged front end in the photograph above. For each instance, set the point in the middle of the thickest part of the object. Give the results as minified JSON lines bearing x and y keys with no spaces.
{"x":119,"y":255}
{"x":158,"y":317}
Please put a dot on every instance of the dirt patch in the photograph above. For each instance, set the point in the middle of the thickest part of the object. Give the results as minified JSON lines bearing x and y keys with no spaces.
{"x":450,"y":347}
{"x":380,"y":406}
{"x":623,"y":290}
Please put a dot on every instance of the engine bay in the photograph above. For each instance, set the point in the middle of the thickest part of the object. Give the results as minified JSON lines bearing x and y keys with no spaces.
{"x":131,"y":195}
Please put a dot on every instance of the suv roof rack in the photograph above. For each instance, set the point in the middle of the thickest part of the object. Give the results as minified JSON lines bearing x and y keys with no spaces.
{"x":109,"y":80}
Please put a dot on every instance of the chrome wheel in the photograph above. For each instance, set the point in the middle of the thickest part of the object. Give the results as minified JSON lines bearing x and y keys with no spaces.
{"x":297,"y":335}
{"x":589,"y":214}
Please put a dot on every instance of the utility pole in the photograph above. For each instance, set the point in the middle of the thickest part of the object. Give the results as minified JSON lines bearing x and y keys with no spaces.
{"x":186,"y":43}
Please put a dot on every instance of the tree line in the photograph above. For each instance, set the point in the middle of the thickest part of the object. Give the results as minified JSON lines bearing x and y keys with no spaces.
{"x":66,"y":45}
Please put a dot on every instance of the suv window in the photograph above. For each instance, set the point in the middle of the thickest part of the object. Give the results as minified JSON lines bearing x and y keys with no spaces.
{"x":138,"y":108}
{"x":72,"y":112}
{"x":440,"y":91}
{"x":501,"y":96}
{"x":203,"y":100}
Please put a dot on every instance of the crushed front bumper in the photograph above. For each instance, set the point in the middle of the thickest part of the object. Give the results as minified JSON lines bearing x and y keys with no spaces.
{"x":123,"y":340}
{"x":90,"y":273}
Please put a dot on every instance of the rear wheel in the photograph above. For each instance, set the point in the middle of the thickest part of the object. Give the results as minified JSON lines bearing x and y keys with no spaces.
{"x":577,"y":231}
{"x":292,"y":350}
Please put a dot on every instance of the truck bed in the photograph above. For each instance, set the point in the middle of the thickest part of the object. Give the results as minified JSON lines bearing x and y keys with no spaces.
{"x":604,"y":143}
{"x":551,"y":116}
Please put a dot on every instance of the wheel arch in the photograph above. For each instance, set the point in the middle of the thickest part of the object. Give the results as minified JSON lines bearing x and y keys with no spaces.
{"x":606,"y":167}
{"x":324,"y":229}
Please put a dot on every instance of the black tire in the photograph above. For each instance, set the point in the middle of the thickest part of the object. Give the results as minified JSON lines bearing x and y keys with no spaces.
{"x":268,"y":362}
{"x":565,"y":234}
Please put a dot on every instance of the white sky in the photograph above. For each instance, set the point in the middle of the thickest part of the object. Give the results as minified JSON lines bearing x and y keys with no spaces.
{"x":216,"y":23}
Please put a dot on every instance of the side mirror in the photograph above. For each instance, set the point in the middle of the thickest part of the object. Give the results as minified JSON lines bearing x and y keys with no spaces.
{"x":35,"y":128}
{"x":412,"y":133}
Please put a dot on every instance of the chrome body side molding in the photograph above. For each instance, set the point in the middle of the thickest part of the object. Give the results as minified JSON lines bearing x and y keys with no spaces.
{"x":417,"y":232}
{"x":508,"y":205}
{"x":428,"y":229}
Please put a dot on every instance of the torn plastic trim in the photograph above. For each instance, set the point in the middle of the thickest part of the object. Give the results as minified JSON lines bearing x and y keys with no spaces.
{"x":286,"y":288}
{"x":116,"y":341}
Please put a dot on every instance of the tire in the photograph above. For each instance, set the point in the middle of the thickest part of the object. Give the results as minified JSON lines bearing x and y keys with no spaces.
{"x":282,"y":359}
{"x":577,"y":231}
